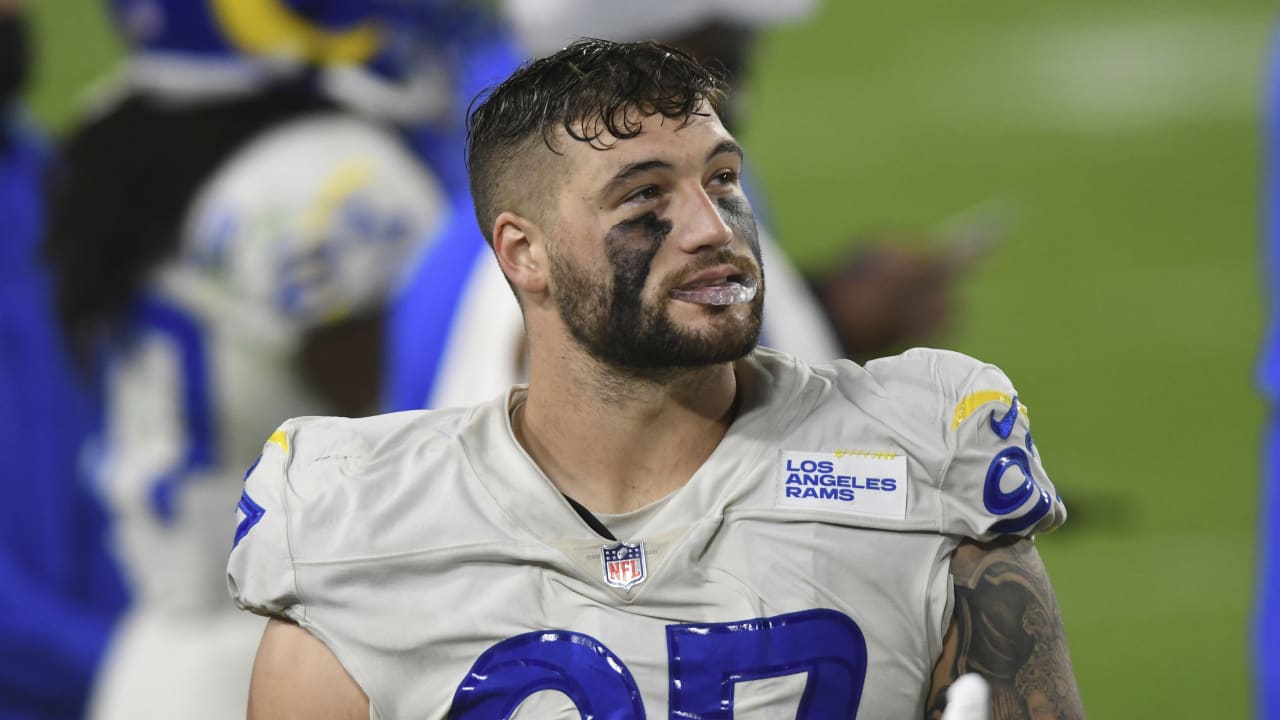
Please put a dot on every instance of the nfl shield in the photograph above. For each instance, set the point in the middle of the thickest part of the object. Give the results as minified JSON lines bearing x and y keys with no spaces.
{"x":623,"y":564}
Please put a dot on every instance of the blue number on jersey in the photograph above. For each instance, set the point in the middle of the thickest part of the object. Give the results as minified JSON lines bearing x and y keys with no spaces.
{"x":705,"y":662}
{"x":252,"y":511}
{"x":999,"y":502}
{"x":577,"y":665}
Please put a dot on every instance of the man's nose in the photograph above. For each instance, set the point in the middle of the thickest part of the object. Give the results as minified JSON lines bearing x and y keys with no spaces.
{"x":705,"y":228}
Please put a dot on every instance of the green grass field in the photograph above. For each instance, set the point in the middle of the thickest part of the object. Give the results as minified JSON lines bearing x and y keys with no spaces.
{"x":1125,"y":304}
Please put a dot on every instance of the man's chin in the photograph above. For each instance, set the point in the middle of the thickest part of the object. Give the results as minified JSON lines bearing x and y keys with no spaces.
{"x":703,"y":349}
{"x":680,"y":350}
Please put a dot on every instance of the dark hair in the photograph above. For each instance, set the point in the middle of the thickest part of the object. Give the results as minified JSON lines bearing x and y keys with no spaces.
{"x":590,"y":88}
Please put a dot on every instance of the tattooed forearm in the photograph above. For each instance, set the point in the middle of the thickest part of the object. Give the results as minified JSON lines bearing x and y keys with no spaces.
{"x":1007,"y":627}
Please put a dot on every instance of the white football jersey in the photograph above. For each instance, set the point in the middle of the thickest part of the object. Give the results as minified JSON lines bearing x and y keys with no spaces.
{"x":308,"y":223}
{"x":801,"y":572}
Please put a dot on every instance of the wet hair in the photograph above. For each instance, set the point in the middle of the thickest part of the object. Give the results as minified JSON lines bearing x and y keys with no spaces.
{"x":119,"y":193}
{"x":596,"y":91}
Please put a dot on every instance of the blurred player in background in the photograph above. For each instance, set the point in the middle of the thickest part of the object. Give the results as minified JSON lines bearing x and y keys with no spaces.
{"x":59,"y":591}
{"x":1266,"y":638}
{"x":455,"y":332}
{"x":226,"y":229}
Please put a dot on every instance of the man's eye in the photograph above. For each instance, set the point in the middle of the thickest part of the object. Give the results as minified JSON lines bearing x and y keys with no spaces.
{"x":726,"y":177}
{"x":644,"y":194}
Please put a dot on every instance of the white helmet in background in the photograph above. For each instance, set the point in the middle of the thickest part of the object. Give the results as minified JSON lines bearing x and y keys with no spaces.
{"x":545,"y":26}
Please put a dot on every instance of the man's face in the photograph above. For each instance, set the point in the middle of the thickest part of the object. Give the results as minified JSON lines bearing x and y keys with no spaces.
{"x":655,"y":259}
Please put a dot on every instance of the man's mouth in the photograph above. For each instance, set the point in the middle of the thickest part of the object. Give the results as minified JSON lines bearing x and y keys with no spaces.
{"x":718,"y":286}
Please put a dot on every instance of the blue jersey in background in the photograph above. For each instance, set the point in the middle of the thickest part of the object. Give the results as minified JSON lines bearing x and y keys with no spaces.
{"x":426,"y":312}
{"x":59,"y":590}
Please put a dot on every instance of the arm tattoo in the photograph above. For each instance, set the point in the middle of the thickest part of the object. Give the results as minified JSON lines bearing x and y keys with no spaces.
{"x":1007,"y":627}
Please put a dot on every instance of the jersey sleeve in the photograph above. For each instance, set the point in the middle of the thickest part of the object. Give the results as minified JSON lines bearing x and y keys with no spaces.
{"x":260,"y":571}
{"x":994,"y":482}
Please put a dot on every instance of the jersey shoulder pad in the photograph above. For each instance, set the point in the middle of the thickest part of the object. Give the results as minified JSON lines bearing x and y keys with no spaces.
{"x":324,"y":489}
{"x":993,"y":481}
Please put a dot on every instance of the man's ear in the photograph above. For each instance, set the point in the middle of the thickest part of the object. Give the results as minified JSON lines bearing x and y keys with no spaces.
{"x":521,"y":252}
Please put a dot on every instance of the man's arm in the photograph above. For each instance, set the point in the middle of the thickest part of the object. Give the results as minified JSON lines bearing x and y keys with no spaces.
{"x":295,"y":676}
{"x":1007,"y":627}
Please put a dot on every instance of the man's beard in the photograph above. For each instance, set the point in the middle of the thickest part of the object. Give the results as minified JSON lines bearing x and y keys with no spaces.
{"x":616,"y":326}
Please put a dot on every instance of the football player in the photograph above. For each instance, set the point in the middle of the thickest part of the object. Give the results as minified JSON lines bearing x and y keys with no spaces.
{"x":457,"y":334}
{"x":228,"y":229}
{"x":667,"y":521}
{"x":888,"y":291}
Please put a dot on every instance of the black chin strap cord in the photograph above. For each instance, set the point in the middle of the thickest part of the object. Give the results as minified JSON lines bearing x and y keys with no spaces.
{"x":591,"y":520}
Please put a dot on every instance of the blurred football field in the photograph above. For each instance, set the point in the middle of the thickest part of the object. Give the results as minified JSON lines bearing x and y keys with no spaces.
{"x":1125,"y":302}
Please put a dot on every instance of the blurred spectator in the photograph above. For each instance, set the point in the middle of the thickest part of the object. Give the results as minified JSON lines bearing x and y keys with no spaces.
{"x":1266,"y":636}
{"x":59,"y":591}
{"x":226,"y":231}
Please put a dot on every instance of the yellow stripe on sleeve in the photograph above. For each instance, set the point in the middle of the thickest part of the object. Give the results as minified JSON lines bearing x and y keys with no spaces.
{"x":973,"y":401}
{"x":278,"y":438}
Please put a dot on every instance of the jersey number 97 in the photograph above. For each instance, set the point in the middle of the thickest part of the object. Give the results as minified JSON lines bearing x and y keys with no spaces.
{"x":705,"y":662}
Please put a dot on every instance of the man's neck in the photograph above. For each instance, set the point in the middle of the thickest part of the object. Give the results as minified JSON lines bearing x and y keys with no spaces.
{"x":616,"y":442}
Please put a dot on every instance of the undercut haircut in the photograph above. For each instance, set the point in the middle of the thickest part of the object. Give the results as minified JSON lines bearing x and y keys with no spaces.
{"x":597,"y":91}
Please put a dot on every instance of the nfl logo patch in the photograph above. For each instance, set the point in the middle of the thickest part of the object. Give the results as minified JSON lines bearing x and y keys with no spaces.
{"x":623,"y":565}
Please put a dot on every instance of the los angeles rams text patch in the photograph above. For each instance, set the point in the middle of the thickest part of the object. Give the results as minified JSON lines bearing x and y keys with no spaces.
{"x":856,"y":482}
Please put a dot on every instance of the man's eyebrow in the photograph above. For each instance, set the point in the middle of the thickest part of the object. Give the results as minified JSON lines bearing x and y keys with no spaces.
{"x":635,"y":168}
{"x":631,"y":171}
{"x":726,"y":146}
